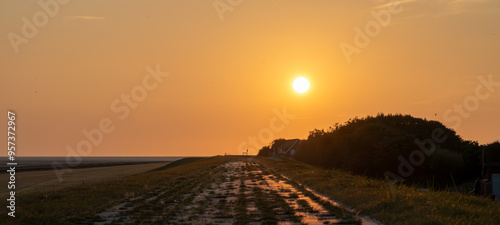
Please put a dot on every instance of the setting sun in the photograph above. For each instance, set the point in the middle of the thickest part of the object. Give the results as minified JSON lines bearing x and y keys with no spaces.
{"x":301,"y":85}
{"x":188,"y":112}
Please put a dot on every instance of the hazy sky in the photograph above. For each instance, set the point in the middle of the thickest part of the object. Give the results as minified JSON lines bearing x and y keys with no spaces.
{"x":68,"y":67}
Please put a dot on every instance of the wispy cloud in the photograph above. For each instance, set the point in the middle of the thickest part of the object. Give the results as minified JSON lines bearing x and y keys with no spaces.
{"x":393,"y":3}
{"x":440,"y":8}
{"x":86,"y":17}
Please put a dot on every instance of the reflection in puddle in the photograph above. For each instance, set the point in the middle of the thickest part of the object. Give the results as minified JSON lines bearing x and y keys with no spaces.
{"x":243,"y":192}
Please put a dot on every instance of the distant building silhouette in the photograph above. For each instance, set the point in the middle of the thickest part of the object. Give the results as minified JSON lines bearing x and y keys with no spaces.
{"x":287,"y":149}
{"x":489,"y":185}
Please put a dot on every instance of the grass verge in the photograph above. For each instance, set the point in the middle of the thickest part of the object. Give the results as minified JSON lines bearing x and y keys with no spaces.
{"x":390,"y":204}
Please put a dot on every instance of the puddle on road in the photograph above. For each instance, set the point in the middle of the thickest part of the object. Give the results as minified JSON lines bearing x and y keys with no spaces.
{"x":236,"y":196}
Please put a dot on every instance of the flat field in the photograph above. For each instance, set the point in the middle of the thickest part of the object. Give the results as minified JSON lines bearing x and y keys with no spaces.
{"x":47,"y":180}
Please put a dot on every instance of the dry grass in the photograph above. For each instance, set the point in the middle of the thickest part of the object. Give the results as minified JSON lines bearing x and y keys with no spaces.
{"x":200,"y":191}
{"x":391,"y":204}
{"x":171,"y":193}
{"x":74,"y":204}
{"x":46,"y":180}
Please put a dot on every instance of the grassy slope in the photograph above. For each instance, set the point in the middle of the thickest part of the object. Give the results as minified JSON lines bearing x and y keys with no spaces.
{"x":179,"y":162}
{"x":390,"y":204}
{"x":400,"y":205}
{"x":83,"y":201}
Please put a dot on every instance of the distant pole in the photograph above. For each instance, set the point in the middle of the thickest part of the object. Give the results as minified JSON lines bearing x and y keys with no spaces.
{"x":482,"y":162}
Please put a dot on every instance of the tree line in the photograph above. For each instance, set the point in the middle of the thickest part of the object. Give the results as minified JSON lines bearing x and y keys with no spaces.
{"x":379,"y":145}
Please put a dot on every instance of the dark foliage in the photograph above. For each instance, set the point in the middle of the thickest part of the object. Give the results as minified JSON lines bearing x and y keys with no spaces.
{"x":267,"y":150}
{"x":492,"y":152}
{"x":418,"y":150}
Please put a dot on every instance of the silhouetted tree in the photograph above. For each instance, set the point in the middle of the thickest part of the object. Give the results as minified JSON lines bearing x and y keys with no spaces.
{"x":374,"y":145}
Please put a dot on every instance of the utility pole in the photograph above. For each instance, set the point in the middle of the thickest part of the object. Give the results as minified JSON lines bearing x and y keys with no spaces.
{"x":482,"y":162}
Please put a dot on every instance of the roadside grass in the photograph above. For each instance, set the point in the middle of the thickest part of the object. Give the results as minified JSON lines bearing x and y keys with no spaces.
{"x":390,"y":203}
{"x":242,"y":216}
{"x":267,"y":211}
{"x":179,"y":162}
{"x":80,"y":203}
{"x":178,"y":185}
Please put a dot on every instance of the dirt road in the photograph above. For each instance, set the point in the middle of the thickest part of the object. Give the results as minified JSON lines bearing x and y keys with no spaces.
{"x":235,"y":192}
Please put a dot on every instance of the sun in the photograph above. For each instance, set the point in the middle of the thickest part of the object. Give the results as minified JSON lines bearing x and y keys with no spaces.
{"x":301,"y":85}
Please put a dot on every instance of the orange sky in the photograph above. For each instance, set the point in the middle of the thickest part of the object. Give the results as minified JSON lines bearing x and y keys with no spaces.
{"x":231,"y":67}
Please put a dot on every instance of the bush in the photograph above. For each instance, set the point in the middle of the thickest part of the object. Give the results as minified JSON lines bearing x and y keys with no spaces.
{"x":374,"y":145}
